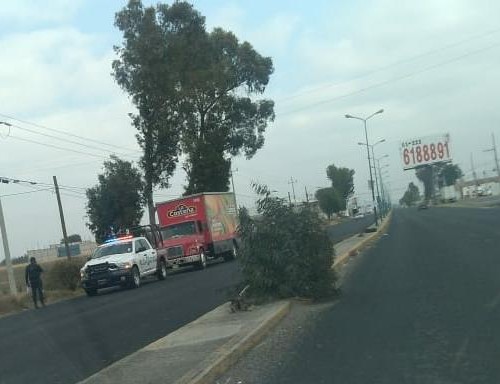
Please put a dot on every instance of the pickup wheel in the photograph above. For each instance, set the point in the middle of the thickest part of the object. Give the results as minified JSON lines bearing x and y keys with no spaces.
{"x":136,"y":278}
{"x":91,"y":292}
{"x":202,"y":264}
{"x":162,"y":270}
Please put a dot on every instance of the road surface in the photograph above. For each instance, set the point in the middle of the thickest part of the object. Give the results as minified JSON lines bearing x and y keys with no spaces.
{"x":421,"y":306}
{"x":349,"y":227}
{"x":68,"y":341}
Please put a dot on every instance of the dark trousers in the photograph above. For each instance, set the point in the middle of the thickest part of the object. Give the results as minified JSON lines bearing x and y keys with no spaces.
{"x":37,"y":292}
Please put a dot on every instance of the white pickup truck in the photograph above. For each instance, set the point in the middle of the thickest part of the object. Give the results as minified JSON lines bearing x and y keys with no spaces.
{"x":121,"y":262}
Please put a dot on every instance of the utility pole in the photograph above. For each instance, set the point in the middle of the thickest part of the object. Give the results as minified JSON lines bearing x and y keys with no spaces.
{"x":61,"y":214}
{"x":289,"y":198}
{"x":8,"y":263}
{"x":234,"y":191}
{"x":292,"y":181}
{"x":494,"y":150}
{"x":307,"y":195}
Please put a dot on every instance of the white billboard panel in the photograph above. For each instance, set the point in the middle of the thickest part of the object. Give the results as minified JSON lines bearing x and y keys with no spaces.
{"x":425,"y":150}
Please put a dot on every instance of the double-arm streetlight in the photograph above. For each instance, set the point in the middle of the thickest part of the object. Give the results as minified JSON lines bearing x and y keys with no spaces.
{"x":382,"y":188}
{"x":364,"y":120}
{"x":372,"y":146}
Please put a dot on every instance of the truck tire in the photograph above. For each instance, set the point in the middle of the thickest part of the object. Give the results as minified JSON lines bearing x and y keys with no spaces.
{"x":135,"y":281}
{"x":232,"y":254}
{"x":162,"y":270}
{"x":202,"y":264}
{"x":91,"y":292}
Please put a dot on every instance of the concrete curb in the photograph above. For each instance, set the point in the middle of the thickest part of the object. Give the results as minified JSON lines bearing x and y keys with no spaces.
{"x":341,"y":259}
{"x":228,"y":354}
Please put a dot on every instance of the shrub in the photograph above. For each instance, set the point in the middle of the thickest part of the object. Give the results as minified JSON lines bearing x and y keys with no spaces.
{"x":64,"y":274}
{"x":285,"y":251}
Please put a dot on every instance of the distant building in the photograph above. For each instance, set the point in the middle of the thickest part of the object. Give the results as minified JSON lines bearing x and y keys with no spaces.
{"x":488,"y":186}
{"x":54,"y":251}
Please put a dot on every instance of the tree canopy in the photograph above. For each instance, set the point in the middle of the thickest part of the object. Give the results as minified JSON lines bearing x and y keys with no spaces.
{"x":445,"y":175}
{"x":411,"y":195}
{"x":116,"y":201}
{"x":342,"y":180}
{"x":74,"y":238}
{"x":195,"y":92}
{"x":449,"y":174}
{"x":329,"y":201}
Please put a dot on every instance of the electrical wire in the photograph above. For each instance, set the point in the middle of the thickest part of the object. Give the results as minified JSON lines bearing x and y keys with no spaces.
{"x":389,"y":81}
{"x":56,"y":147}
{"x":397,"y":63}
{"x":67,"y":141}
{"x":65,"y":132}
{"x":27,"y":192}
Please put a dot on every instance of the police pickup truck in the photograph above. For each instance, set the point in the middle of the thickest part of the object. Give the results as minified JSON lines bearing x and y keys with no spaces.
{"x":122,"y":261}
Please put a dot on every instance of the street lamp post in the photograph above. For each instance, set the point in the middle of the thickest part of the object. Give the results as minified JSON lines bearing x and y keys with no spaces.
{"x":382,"y":188}
{"x":364,"y":120}
{"x":372,"y":146}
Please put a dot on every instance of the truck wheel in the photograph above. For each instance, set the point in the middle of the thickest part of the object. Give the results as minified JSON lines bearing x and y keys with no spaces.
{"x":162,"y":271}
{"x":91,"y":292}
{"x":202,"y":264}
{"x":136,"y":278}
{"x":232,"y":254}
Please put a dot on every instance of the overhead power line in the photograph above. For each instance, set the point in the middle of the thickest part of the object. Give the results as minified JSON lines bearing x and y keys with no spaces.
{"x":66,"y":133}
{"x":397,"y":63}
{"x":389,"y":81}
{"x":27,"y":192}
{"x":67,"y":140}
{"x":56,"y":147}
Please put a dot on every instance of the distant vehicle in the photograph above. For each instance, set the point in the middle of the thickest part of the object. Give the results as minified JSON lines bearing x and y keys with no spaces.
{"x":199,"y":228}
{"x":423,"y":205}
{"x":449,"y":194}
{"x":123,"y":261}
{"x":359,"y":216}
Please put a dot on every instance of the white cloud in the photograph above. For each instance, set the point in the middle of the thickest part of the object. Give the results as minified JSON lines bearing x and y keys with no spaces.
{"x":29,"y":12}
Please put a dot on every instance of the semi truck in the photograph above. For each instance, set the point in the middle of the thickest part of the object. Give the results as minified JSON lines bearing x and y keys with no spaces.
{"x":198,"y":228}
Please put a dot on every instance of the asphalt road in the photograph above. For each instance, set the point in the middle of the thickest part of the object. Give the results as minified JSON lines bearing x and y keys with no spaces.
{"x":68,"y":341}
{"x":349,"y":227}
{"x":421,"y":306}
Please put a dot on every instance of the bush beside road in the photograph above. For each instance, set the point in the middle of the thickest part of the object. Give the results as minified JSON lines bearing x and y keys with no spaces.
{"x":60,"y":278}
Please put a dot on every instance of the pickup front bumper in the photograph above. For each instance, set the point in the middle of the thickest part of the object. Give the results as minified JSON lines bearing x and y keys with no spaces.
{"x":107,"y":279}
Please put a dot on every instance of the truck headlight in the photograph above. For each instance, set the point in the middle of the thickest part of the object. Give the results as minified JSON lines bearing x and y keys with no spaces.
{"x":126,"y":265}
{"x":83,"y":273}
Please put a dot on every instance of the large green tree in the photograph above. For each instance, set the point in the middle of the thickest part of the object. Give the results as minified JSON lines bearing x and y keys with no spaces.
{"x":440,"y":173}
{"x":142,"y":69}
{"x":449,"y":174}
{"x":426,"y":175}
{"x":116,"y":201}
{"x":342,"y":180}
{"x":329,"y":201}
{"x":193,"y":87}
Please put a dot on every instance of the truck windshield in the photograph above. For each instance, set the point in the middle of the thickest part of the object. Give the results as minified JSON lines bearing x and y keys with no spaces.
{"x":176,"y":230}
{"x":112,"y":249}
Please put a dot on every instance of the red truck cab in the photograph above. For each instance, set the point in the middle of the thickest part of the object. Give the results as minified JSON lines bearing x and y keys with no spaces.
{"x":197,"y":228}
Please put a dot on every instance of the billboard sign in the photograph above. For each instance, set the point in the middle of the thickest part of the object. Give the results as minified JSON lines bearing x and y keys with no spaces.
{"x":425,"y":150}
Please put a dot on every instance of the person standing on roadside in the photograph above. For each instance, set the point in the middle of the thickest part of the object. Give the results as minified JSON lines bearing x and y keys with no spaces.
{"x":34,"y":281}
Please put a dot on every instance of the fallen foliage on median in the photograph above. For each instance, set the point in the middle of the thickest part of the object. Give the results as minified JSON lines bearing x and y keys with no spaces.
{"x":285,"y":251}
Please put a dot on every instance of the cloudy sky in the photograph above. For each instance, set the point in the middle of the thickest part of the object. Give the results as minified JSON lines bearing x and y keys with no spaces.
{"x":431,"y":65}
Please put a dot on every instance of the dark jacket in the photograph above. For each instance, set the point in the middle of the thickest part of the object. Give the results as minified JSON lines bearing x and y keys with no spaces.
{"x":33,"y":274}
